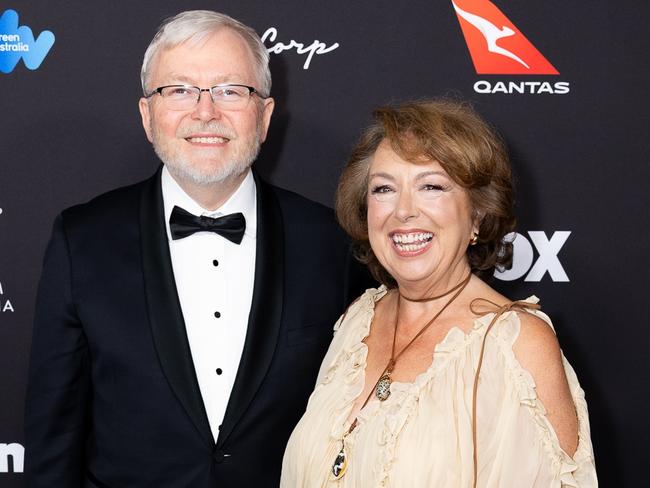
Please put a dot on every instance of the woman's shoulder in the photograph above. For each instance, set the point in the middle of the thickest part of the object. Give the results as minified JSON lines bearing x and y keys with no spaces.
{"x":353,"y":326}
{"x":536,"y":350}
{"x":533,"y":326}
{"x":536,"y":338}
{"x":362,"y":307}
{"x":523,"y":327}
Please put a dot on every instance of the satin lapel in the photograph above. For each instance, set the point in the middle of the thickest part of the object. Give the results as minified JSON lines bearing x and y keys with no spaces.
{"x":165,"y":316}
{"x":266,"y":308}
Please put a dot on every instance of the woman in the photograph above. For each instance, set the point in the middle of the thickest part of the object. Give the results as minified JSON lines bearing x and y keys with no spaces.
{"x":435,"y":379}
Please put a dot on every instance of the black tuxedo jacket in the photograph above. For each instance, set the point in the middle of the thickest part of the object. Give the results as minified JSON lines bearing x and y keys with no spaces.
{"x":113,"y":399}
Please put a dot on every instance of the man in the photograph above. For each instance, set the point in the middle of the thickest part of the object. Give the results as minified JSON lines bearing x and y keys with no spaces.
{"x":180,"y":322}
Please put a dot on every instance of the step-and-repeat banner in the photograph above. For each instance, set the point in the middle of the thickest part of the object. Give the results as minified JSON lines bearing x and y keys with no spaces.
{"x":565,"y":83}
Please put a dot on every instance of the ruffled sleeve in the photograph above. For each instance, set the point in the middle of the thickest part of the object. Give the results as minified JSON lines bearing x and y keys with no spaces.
{"x":577,"y":471}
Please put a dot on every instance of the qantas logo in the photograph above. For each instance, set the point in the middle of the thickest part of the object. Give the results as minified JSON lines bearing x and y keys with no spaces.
{"x":496,"y":45}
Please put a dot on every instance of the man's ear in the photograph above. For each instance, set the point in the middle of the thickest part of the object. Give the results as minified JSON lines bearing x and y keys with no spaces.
{"x":266,"y":112}
{"x":145,"y":113}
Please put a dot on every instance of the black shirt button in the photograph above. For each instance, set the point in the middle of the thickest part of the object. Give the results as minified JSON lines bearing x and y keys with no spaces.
{"x":217,"y":314}
{"x":219,"y":371}
{"x":215,"y":262}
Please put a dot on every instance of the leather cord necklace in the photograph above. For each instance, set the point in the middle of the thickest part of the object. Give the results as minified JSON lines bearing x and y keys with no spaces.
{"x":382,"y":387}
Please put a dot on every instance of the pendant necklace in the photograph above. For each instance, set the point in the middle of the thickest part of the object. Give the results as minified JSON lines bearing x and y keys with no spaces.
{"x":382,"y":387}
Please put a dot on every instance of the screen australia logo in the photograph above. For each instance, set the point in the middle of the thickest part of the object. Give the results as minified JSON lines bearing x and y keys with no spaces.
{"x":18,"y":42}
{"x":498,"y":47}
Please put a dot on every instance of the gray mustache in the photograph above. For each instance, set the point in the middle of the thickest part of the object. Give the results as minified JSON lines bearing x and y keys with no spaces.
{"x":213,"y":127}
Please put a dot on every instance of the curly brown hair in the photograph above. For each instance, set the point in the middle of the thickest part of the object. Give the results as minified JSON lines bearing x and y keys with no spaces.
{"x":473,"y":155}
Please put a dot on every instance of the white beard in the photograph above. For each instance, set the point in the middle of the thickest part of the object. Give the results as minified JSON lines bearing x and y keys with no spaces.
{"x":204,"y":175}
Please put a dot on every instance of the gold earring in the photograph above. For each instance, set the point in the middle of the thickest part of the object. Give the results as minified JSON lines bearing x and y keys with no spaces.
{"x":474,"y":239}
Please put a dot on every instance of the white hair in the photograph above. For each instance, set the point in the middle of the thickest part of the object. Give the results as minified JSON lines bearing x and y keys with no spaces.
{"x":197,"y":25}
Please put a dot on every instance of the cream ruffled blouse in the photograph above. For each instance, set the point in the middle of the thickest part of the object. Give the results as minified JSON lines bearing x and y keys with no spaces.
{"x":421,"y":436}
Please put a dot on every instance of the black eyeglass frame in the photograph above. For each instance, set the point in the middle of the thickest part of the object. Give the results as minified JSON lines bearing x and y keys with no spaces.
{"x":251,"y":90}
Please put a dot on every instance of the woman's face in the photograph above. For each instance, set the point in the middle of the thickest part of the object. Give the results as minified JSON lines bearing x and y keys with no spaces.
{"x":419,"y":219}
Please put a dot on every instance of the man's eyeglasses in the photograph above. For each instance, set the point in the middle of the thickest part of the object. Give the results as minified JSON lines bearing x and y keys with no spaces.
{"x":185,"y":97}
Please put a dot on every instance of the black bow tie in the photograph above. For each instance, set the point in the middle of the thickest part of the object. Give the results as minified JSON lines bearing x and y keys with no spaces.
{"x":183,"y":224}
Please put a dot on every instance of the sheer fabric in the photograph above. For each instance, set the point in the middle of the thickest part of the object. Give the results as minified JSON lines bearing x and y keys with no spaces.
{"x":421,"y":435}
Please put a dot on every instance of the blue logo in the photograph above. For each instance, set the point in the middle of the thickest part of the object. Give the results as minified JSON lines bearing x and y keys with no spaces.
{"x":18,"y":42}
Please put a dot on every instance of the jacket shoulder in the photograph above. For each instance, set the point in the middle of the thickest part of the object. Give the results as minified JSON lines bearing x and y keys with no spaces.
{"x":119,"y":203}
{"x":297,"y":208}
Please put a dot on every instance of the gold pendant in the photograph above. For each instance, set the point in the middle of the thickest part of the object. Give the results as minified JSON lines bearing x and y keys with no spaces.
{"x":340,"y":465}
{"x":382,"y":390}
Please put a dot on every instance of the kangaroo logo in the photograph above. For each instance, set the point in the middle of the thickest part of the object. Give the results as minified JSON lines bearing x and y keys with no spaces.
{"x":18,"y":42}
{"x":495,"y":44}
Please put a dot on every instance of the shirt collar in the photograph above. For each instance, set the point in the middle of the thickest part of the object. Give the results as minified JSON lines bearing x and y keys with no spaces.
{"x":244,"y":200}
